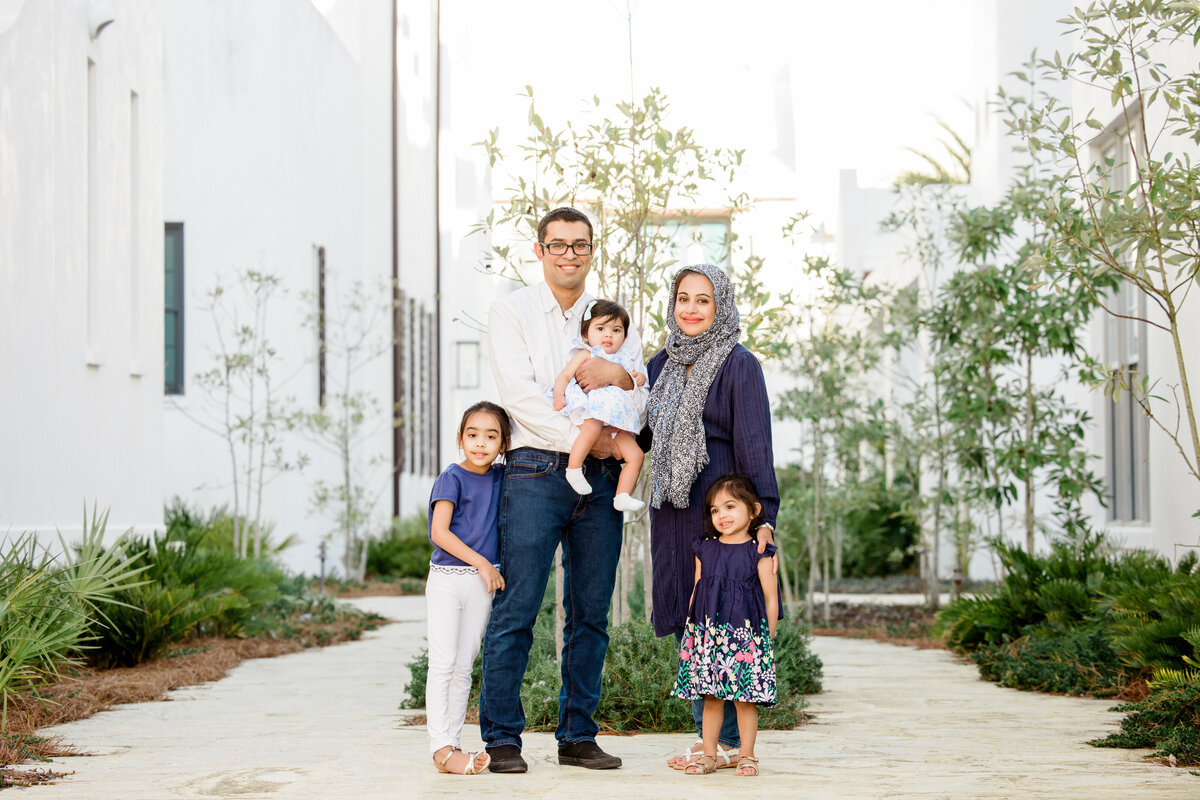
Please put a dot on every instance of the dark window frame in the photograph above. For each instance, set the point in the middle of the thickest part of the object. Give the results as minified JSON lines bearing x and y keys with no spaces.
{"x":173,"y":379}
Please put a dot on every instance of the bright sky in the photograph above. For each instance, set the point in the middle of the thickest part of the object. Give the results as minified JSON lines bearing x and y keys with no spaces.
{"x":867,"y":78}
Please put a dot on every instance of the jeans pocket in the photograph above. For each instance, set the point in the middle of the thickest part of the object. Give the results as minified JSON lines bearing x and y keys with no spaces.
{"x":526,"y":468}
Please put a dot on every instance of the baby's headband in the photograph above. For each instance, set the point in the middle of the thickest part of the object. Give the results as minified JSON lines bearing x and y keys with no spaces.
{"x":587,"y":312}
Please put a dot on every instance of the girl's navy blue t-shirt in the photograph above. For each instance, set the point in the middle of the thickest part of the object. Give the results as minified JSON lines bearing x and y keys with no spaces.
{"x":476,"y":515}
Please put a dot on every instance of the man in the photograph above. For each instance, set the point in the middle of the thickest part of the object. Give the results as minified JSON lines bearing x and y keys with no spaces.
{"x":529,"y":335}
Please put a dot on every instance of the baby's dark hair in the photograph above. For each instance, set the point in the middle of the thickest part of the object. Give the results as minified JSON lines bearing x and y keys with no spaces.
{"x":603,"y":309}
{"x":737,"y":486}
{"x":496,"y":411}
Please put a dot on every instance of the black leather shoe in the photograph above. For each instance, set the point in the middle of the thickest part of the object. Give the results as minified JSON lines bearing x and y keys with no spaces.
{"x":506,"y":758}
{"x":587,"y":755}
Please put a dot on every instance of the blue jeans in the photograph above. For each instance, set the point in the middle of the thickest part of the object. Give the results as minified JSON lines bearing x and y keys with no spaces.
{"x":539,"y":510}
{"x":728,"y":737}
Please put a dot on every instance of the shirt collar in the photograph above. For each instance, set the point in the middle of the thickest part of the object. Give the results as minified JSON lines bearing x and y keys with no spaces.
{"x":549,"y":303}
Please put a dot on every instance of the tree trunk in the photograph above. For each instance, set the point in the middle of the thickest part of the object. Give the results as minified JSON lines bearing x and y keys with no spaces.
{"x":1029,"y":417}
{"x":825,"y":580}
{"x":813,"y":533}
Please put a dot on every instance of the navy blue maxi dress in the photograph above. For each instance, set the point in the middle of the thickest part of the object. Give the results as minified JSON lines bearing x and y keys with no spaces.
{"x":737,"y":427}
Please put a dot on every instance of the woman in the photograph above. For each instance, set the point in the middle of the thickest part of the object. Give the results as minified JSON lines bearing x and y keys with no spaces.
{"x":709,"y":416}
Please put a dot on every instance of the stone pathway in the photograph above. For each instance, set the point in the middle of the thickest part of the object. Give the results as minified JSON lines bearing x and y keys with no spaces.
{"x":893,"y":723}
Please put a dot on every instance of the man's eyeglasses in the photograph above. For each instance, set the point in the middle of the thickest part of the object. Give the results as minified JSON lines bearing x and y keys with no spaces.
{"x":560,"y":248}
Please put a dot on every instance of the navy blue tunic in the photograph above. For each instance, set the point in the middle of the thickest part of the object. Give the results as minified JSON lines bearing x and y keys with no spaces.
{"x":737,"y":426}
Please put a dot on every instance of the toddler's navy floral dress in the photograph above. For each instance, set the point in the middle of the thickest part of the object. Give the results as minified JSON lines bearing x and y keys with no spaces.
{"x":726,"y":650}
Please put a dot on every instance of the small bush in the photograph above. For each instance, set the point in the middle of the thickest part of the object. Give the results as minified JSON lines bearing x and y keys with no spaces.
{"x":1079,"y":662}
{"x":195,"y":584}
{"x":403,"y":551}
{"x":639,"y":673}
{"x":879,"y":533}
{"x":1168,"y":721}
{"x":312,"y":619}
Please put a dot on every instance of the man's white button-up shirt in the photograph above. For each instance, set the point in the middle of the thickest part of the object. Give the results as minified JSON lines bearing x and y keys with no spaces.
{"x":529,"y":343}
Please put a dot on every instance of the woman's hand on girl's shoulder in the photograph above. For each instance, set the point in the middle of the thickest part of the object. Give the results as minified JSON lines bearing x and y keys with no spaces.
{"x":766,"y":537}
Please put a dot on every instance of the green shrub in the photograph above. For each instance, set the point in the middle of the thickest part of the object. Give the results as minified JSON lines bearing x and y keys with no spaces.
{"x":1079,"y":583}
{"x":879,"y":533}
{"x":217,"y":528}
{"x":639,"y":673}
{"x":314,"y":619}
{"x":1168,"y":721}
{"x":196,"y":584}
{"x":1079,"y":662}
{"x":1151,"y":619}
{"x":50,"y":599}
{"x":403,"y":551}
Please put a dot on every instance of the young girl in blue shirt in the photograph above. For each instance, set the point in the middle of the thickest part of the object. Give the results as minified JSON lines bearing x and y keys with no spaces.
{"x":463,"y":575}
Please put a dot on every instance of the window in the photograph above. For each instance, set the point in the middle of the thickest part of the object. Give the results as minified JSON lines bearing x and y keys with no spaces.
{"x":321,"y":373}
{"x":467,"y":365}
{"x":1128,"y":428}
{"x":135,"y":235}
{"x":94,"y":197}
{"x":699,"y":240}
{"x":173,"y":307}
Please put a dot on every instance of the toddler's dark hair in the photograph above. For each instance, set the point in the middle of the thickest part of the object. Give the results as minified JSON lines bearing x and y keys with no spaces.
{"x":739,"y":487}
{"x":496,"y":411}
{"x":603,"y":309}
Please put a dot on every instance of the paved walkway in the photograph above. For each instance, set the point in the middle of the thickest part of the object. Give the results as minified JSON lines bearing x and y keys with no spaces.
{"x":893,"y":722}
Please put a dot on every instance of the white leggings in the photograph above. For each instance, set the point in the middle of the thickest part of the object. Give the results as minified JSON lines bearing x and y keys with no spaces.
{"x":458,"y":606}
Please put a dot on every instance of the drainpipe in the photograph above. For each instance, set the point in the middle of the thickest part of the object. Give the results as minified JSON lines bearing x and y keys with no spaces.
{"x":397,"y":316}
{"x":437,"y":217}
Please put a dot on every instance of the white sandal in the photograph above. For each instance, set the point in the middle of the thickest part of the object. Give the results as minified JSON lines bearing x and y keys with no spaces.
{"x":469,"y":769}
{"x":725,"y":758}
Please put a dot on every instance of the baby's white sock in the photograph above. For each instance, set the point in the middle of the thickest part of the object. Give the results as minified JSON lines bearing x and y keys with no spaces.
{"x":627,"y":502}
{"x":577,"y":481}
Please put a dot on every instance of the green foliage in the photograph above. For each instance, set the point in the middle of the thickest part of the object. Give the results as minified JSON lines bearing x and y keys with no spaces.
{"x":1079,"y":662}
{"x":1168,"y":721}
{"x":880,"y":532}
{"x":403,"y":551}
{"x":1053,"y":592}
{"x":939,"y":171}
{"x":1116,"y":216}
{"x":1155,"y":621}
{"x":49,"y":598}
{"x":639,"y":673}
{"x":220,"y":529}
{"x":314,"y":619}
{"x":195,"y":584}
{"x":642,"y":179}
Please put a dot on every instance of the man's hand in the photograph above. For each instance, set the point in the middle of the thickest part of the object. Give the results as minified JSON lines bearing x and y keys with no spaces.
{"x":604,"y":447}
{"x":596,"y":373}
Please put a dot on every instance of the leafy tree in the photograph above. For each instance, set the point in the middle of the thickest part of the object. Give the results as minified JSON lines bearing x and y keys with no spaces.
{"x":922,"y":438}
{"x":357,"y":332}
{"x":241,"y":403}
{"x":1143,"y":230}
{"x":640,"y":180}
{"x":830,"y":358}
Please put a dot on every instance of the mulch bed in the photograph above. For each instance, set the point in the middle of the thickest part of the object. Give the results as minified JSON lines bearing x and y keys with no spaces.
{"x":889,"y":624}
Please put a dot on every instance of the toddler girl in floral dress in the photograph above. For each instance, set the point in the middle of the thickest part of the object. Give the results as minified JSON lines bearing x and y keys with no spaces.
{"x":726,"y":652}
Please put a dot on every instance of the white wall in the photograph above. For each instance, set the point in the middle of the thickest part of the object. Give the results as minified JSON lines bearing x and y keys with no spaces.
{"x":267,"y":152}
{"x":80,"y":318}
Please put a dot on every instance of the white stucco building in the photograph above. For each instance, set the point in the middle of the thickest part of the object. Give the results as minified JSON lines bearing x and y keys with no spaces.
{"x":81,"y":177}
{"x":185,"y":144}
{"x":1151,"y":496}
